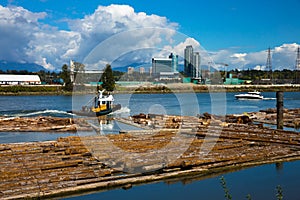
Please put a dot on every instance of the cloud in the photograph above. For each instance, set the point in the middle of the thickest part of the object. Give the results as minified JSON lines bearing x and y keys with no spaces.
{"x":57,"y":47}
{"x":282,"y":57}
{"x":178,"y":49}
{"x":116,"y":18}
{"x":26,"y":39}
{"x":114,"y":33}
{"x":239,"y":57}
{"x":46,"y":64}
{"x":259,"y":67}
{"x":17,"y":26}
{"x":121,"y":29}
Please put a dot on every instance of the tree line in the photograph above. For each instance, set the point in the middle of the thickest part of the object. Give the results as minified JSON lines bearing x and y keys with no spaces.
{"x":63,"y":77}
{"x":109,"y":77}
{"x":284,"y":76}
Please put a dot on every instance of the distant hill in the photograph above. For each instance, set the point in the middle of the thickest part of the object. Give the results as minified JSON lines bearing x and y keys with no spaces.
{"x":30,"y":67}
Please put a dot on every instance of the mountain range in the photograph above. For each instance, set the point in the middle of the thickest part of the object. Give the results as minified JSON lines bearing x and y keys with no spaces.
{"x":30,"y":67}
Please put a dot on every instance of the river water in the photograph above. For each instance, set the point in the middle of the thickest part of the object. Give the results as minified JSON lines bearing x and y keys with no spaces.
{"x":260,"y":182}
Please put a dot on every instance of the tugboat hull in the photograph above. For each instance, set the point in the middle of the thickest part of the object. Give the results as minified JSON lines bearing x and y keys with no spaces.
{"x":96,"y":114}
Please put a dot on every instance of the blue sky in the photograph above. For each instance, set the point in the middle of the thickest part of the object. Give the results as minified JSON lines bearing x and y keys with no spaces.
{"x":240,"y":30}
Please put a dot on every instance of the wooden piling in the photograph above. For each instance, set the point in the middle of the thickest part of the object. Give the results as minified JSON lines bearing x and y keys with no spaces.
{"x":279,"y":96}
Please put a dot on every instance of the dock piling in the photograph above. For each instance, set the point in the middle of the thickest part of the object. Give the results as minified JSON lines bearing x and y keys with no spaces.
{"x":279,"y":97}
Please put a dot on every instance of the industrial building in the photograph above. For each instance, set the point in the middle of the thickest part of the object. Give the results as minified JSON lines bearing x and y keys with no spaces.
{"x":169,"y":64}
{"x":165,"y":68}
{"x":142,"y":70}
{"x":233,"y":80}
{"x":161,"y":65}
{"x":13,"y":79}
{"x":130,"y":70}
{"x":168,"y":76}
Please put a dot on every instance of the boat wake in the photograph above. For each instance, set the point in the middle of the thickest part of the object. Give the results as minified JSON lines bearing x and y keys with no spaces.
{"x":33,"y":113}
{"x":122,"y":110}
{"x":269,"y":98}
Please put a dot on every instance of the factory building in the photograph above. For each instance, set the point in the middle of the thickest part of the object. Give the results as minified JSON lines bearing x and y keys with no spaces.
{"x":169,"y":64}
{"x":165,"y":68}
{"x":13,"y":79}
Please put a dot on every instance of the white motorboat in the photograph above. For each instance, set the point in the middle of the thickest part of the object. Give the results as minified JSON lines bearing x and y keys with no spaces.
{"x":249,"y":95}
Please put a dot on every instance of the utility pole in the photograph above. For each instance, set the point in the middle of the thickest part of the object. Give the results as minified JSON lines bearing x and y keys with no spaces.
{"x":269,"y":65}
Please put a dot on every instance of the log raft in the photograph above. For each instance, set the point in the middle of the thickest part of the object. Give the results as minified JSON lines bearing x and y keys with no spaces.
{"x":43,"y":124}
{"x":202,"y":145}
{"x":291,"y":117}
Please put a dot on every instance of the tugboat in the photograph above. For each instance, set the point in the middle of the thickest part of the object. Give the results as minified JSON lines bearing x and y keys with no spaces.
{"x":103,"y":105}
{"x":250,"y":95}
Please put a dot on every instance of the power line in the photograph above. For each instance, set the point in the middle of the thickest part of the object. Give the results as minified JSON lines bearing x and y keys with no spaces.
{"x":297,"y":66}
{"x":269,"y":64}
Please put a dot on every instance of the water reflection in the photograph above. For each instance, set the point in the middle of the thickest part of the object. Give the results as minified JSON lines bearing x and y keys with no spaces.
{"x":279,"y":167}
{"x":105,"y":123}
{"x":260,"y":182}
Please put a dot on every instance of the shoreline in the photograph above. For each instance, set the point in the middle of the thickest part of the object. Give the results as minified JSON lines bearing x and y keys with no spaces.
{"x":153,"y":89}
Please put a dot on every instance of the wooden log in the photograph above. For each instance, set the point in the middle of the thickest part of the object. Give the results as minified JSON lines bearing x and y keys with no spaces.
{"x":65,"y":164}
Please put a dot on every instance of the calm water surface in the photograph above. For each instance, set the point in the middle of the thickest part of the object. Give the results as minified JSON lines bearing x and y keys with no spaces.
{"x":260,"y":182}
{"x":172,"y":104}
{"x":185,"y":104}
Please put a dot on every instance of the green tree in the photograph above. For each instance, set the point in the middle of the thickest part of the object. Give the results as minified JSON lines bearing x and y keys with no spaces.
{"x":65,"y":75}
{"x":118,"y":75}
{"x":107,"y":79}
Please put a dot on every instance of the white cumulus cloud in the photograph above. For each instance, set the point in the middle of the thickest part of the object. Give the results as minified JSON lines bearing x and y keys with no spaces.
{"x":178,"y":49}
{"x":121,"y":29}
{"x":282,"y":57}
{"x":259,"y":67}
{"x":17,"y":26}
{"x":113,"y":33}
{"x":26,"y":39}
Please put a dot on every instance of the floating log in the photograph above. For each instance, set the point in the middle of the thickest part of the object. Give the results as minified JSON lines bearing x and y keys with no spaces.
{"x":43,"y":124}
{"x":127,"y":186}
{"x":72,"y":164}
{"x":291,"y":117}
